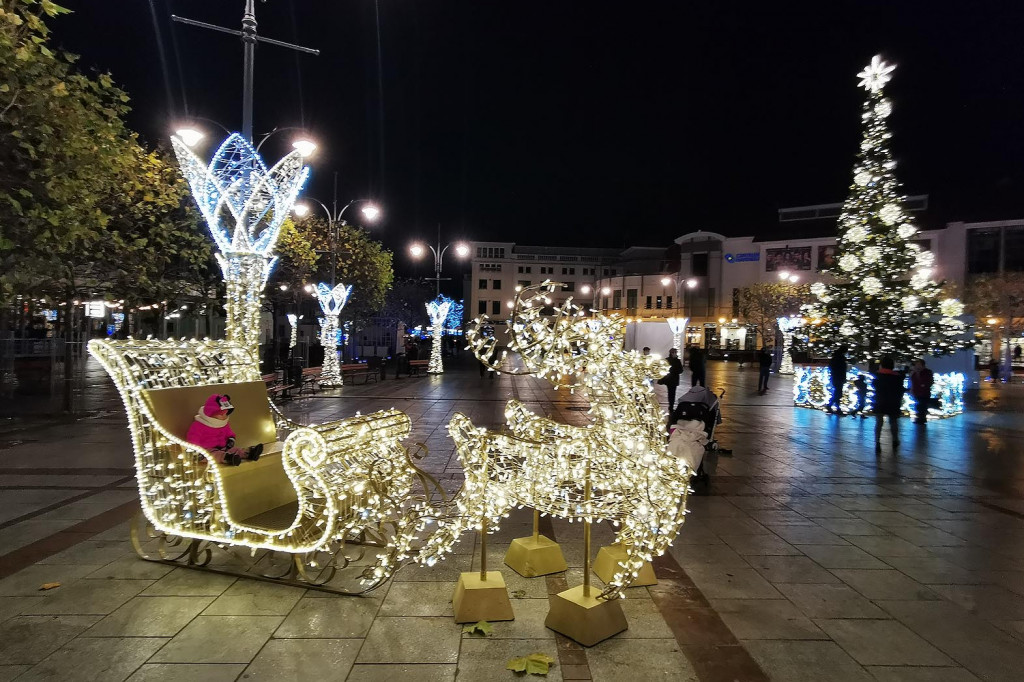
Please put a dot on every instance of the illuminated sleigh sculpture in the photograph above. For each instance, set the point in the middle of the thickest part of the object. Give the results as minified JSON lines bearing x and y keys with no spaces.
{"x":322,"y":496}
{"x":617,"y":468}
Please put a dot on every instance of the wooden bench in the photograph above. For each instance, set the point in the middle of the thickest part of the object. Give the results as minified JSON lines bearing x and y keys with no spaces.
{"x":276,"y":389}
{"x":416,"y":365}
{"x":359,"y":369}
{"x":311,"y":379}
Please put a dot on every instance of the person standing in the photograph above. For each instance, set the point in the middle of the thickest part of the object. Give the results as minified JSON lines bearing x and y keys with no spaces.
{"x":837,"y":372}
{"x":671,"y":380}
{"x":696,"y":360}
{"x":888,"y":385}
{"x":921,"y":380}
{"x":764,"y":360}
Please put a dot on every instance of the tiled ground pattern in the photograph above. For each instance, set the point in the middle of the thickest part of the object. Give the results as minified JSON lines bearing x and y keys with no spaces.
{"x":806,"y":558}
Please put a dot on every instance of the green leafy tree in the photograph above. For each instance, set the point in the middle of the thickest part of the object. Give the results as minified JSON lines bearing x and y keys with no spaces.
{"x":360,"y":261}
{"x":85,"y":208}
{"x":882,"y":299}
{"x":1001,"y":297}
{"x":762,"y":304}
{"x":406,"y":301}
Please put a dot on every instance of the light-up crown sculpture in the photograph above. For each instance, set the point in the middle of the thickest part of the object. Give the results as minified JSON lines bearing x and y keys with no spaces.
{"x":244,"y":205}
{"x":437,"y":310}
{"x":678,"y":326}
{"x":616,"y":468}
{"x":788,"y":325}
{"x":331,"y":302}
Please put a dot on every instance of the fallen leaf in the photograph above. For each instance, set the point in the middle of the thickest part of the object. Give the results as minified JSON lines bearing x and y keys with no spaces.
{"x":518,"y":594}
{"x":534,"y":664}
{"x":482,"y":628}
{"x":48,"y":586}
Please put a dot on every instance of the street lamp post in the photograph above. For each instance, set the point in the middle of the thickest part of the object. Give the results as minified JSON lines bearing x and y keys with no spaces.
{"x":417,"y":250}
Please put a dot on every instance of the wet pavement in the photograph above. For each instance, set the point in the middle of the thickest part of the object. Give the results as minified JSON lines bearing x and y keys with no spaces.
{"x":806,"y":557}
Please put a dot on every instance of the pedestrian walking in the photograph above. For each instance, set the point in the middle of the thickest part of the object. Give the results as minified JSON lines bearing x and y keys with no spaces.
{"x":862,"y":395}
{"x":888,"y":385}
{"x":697,"y":370}
{"x":921,"y":380}
{"x":671,"y":380}
{"x":765,"y":360}
{"x":837,"y":372}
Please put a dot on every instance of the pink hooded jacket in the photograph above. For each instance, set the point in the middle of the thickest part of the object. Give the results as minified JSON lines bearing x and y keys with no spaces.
{"x":209,"y":432}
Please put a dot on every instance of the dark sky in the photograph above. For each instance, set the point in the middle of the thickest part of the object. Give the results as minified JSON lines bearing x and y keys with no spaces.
{"x":594,"y":123}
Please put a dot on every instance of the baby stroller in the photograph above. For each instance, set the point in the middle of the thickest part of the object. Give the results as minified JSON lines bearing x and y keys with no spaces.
{"x":695,"y":419}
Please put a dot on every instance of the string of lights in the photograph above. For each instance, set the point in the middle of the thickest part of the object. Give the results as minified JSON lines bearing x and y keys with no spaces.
{"x":331,"y":303}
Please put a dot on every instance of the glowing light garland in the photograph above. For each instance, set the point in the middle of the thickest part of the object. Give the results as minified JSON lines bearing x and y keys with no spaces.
{"x":813,"y":388}
{"x":881,"y":298}
{"x":678,"y":326}
{"x":244,"y":205}
{"x":352,"y":477}
{"x":536,"y":462}
{"x":331,"y":302}
{"x":788,"y":325}
{"x":437,"y":310}
{"x":293,"y":322}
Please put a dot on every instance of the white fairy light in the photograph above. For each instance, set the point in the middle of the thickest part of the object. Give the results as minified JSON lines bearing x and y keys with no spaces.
{"x":883,"y":108}
{"x":872,"y":254}
{"x":925,"y":259}
{"x":293,"y":322}
{"x":871,"y":285}
{"x":876,"y":74}
{"x":544,"y":464}
{"x":857,"y":234}
{"x":951,"y":307}
{"x":862,"y":178}
{"x":331,"y":302}
{"x":849,"y":262}
{"x":244,"y":205}
{"x":890,"y":214}
{"x":437,"y":310}
{"x":910,"y":302}
{"x":906,"y":231}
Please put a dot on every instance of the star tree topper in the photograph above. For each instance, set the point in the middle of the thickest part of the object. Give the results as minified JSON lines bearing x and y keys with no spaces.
{"x":876,"y":74}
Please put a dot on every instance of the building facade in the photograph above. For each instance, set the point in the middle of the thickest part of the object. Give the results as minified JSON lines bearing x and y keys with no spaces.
{"x":700,"y":276}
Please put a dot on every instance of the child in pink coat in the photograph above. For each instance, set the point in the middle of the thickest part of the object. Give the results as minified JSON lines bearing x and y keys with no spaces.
{"x":211,"y":431}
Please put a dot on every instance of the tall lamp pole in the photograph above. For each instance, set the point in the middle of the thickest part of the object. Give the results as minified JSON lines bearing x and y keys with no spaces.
{"x":417,"y":250}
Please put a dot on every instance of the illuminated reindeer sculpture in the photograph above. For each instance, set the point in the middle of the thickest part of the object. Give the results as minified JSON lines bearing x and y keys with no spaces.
{"x":616,"y":468}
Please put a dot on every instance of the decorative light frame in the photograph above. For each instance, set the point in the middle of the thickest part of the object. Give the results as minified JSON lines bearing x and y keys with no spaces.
{"x":537,"y":462}
{"x":332,"y":301}
{"x":678,"y":327}
{"x":812,"y":388}
{"x":788,"y":326}
{"x":437,"y":311}
{"x":244,"y":205}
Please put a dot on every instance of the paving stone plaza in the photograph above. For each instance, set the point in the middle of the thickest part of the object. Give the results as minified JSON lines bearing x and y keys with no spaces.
{"x":805,"y":557}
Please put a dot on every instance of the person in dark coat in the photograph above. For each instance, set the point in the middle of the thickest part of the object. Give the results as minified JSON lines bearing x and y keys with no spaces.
{"x":671,"y":380}
{"x":837,"y":372}
{"x":696,"y":360}
{"x":921,"y":380}
{"x":764,"y":360}
{"x":889,"y":391}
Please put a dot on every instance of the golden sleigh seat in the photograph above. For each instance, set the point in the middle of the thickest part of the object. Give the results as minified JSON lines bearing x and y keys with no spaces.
{"x":314,"y":490}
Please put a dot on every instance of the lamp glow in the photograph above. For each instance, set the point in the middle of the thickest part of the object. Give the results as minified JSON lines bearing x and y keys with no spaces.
{"x":304,"y":147}
{"x":190,"y":136}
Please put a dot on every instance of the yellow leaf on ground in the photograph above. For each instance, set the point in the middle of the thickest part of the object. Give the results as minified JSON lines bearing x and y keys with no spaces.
{"x":48,"y":586}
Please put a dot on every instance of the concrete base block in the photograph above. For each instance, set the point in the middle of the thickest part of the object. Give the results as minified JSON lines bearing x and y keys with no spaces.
{"x":606,"y":565}
{"x":477,"y":599}
{"x":531,"y":557}
{"x":587,"y":620}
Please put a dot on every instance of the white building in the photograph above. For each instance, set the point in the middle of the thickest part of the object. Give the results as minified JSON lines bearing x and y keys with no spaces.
{"x":701,"y":274}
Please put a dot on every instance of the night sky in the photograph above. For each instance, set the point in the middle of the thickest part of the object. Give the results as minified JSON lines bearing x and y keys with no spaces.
{"x":592,"y":123}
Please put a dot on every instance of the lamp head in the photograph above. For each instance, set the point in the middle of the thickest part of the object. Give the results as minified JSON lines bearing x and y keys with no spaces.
{"x":461,"y":250}
{"x":691,"y":283}
{"x":304,"y":146}
{"x":301,"y":210}
{"x":665,"y":281}
{"x":416,"y":250}
{"x":371,"y":212}
{"x":190,"y":136}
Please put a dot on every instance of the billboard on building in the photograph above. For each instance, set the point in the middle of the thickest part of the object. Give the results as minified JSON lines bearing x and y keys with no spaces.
{"x":827,"y":255}
{"x":789,"y":258}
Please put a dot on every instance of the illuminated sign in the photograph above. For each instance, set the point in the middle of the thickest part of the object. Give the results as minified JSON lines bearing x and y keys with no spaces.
{"x":95,"y":309}
{"x":743,"y":257}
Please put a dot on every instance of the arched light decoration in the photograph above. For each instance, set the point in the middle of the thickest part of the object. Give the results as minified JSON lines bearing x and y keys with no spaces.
{"x":813,"y":388}
{"x":331,"y":302}
{"x":293,"y":322}
{"x":437,"y":310}
{"x":787,"y":325}
{"x":536,"y":462}
{"x":244,"y":205}
{"x":678,"y":327}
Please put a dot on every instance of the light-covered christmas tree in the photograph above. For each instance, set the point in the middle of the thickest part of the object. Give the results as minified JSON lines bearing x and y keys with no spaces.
{"x":882,"y":300}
